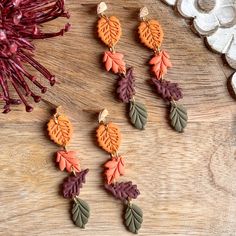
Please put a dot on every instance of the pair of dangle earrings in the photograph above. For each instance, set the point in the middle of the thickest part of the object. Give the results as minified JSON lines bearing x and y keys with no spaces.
{"x":151,"y":35}
{"x":108,"y":137}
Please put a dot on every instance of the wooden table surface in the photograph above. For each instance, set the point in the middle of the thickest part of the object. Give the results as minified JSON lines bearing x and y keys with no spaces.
{"x":187,"y":181}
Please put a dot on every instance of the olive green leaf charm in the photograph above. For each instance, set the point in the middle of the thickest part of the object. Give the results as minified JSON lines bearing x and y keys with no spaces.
{"x":80,"y":212}
{"x":178,"y":117}
{"x":133,"y":218}
{"x":138,"y":115}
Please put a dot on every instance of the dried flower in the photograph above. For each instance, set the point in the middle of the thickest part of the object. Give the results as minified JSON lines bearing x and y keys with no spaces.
{"x":21,"y":22}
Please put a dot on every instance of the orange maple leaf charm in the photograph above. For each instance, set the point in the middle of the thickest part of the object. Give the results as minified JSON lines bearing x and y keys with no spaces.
{"x":60,"y":131}
{"x":161,"y":63}
{"x":151,"y":34}
{"x":114,"y":61}
{"x":109,"y":137}
{"x":116,"y":168}
{"x":67,"y":160}
{"x":109,"y":30}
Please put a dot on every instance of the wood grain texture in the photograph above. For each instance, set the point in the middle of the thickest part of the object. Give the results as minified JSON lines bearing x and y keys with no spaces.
{"x":187,"y":182}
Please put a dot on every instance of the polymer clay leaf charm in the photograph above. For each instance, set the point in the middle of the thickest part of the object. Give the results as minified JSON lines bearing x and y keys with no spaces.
{"x":167,"y":90}
{"x":116,"y":168}
{"x":108,"y":136}
{"x":67,"y":160}
{"x":114,"y":61}
{"x":109,"y":30}
{"x":133,"y":218}
{"x":178,"y":117}
{"x":151,"y":34}
{"x":73,"y":184}
{"x":123,"y":190}
{"x":60,"y":130}
{"x":161,"y":62}
{"x":138,"y":115}
{"x":126,"y":86}
{"x":80,"y":212}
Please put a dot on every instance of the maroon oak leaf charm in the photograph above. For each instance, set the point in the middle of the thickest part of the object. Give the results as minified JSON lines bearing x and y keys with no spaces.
{"x":123,"y":190}
{"x":73,"y":184}
{"x":167,"y":90}
{"x":21,"y":21}
{"x":126,"y":86}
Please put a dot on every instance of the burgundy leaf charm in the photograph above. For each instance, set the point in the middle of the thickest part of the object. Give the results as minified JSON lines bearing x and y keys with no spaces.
{"x":73,"y":184}
{"x":123,"y":190}
{"x":126,"y":86}
{"x":21,"y":21}
{"x":167,"y":90}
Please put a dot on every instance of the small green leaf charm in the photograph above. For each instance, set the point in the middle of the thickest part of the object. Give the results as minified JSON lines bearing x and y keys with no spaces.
{"x":138,"y":115}
{"x":133,"y":218}
{"x":178,"y":117}
{"x":80,"y":212}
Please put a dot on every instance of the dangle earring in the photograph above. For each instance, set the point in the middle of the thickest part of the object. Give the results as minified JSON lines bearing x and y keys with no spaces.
{"x":109,"y":139}
{"x":60,"y":131}
{"x":109,"y":31}
{"x":151,"y":35}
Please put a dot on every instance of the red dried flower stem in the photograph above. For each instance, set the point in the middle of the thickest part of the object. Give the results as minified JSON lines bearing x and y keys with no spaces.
{"x":38,"y":67}
{"x":20,"y":22}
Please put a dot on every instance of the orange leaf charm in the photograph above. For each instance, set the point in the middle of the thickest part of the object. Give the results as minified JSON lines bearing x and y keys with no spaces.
{"x":68,"y":161}
{"x":160,"y":64}
{"x":109,"y":30}
{"x":116,"y":168}
{"x":108,"y":136}
{"x":151,"y":34}
{"x":114,"y":61}
{"x":60,"y":130}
